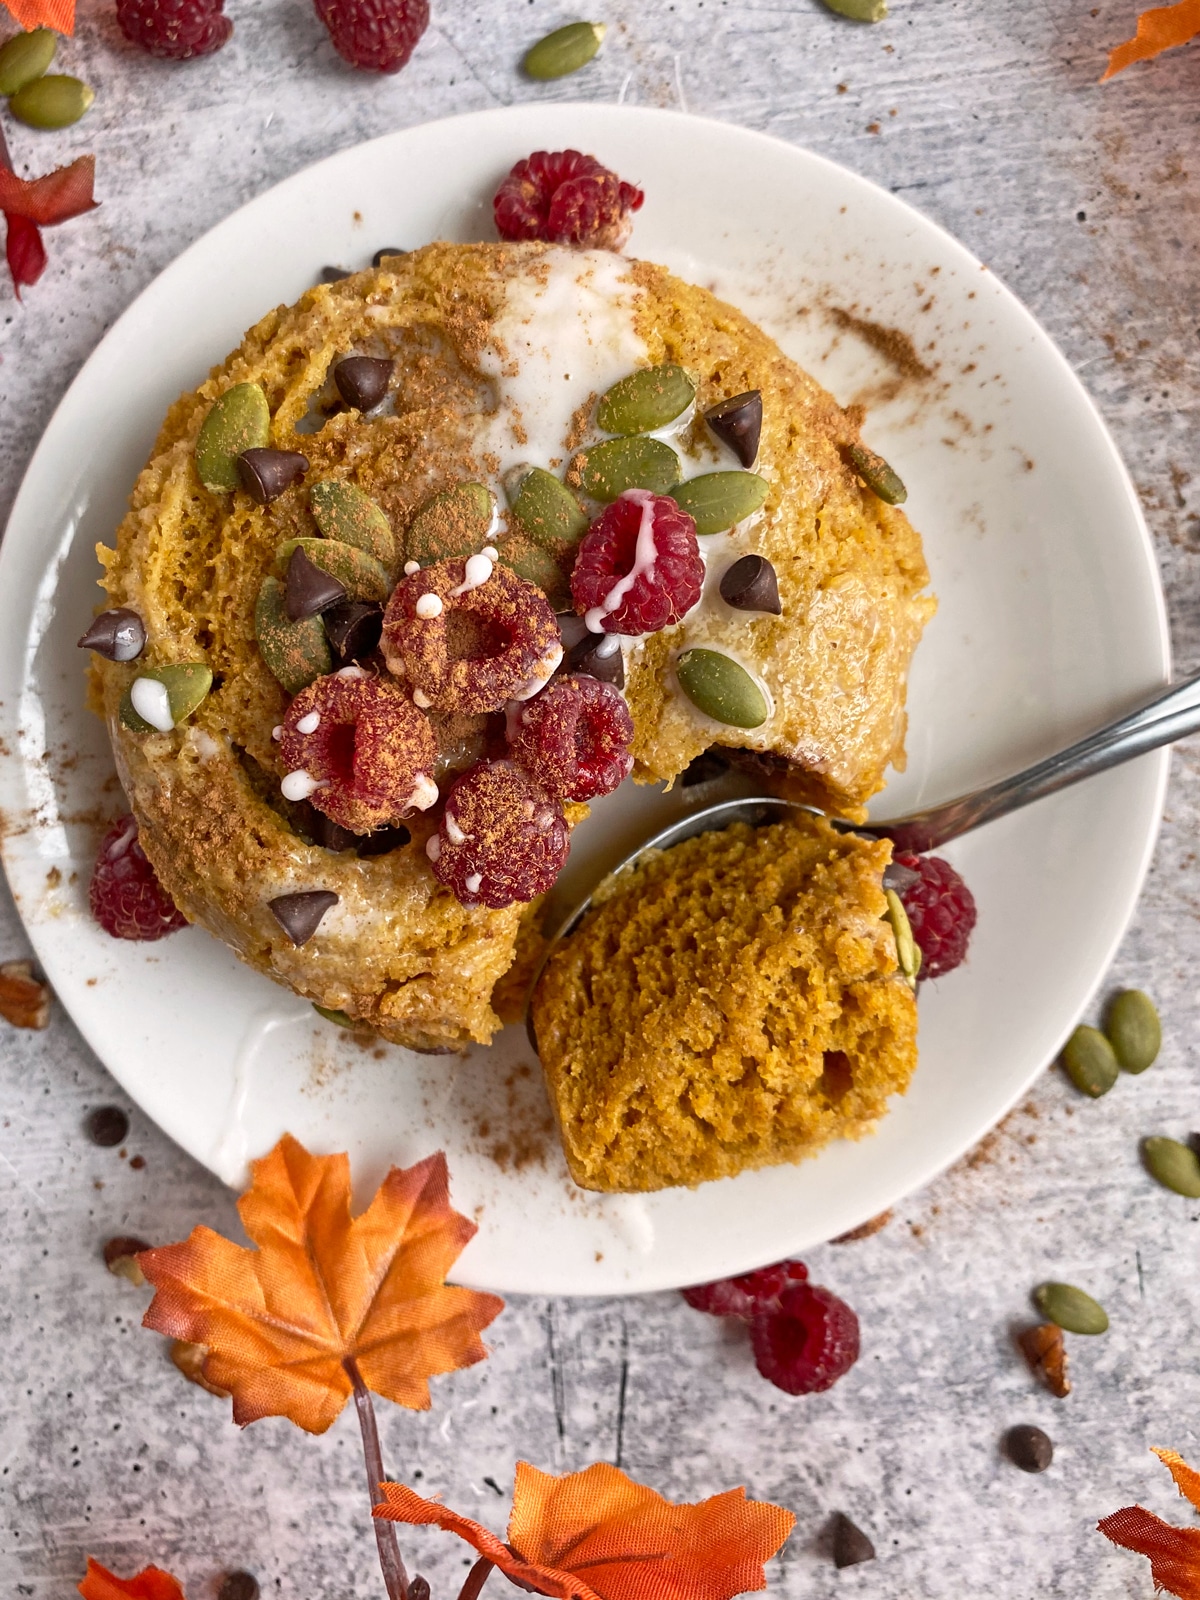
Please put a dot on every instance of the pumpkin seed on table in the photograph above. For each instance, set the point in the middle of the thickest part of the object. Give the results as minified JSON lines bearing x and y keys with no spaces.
{"x":55,"y":101}
{"x":606,"y":470}
{"x":884,"y":483}
{"x":296,"y":653}
{"x":187,"y":684}
{"x":342,"y":1018}
{"x":647,"y":399}
{"x":547,"y":510}
{"x":1133,"y":1030}
{"x":363,"y":577}
{"x":1176,"y":1166}
{"x":343,"y":512}
{"x":25,"y":57}
{"x":1070,"y":1308}
{"x":451,"y":525}
{"x":564,"y":51}
{"x":907,"y":952}
{"x":1090,"y":1061}
{"x":719,"y":500}
{"x":722,"y":688}
{"x":859,"y":10}
{"x":238,"y":420}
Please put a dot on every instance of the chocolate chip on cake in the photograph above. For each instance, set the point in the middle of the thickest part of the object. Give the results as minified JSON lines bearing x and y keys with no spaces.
{"x":118,"y":635}
{"x":299,"y":915}
{"x":362,"y":381}
{"x":265,"y":474}
{"x":382,"y":841}
{"x":737,"y":422}
{"x":599,"y":655}
{"x":353,"y":628}
{"x":334,"y":274}
{"x":750,"y":584}
{"x":377,"y":261}
{"x":310,"y":590}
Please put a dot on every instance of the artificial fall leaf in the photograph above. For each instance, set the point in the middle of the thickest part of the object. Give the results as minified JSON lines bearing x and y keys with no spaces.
{"x":1174,"y":1552}
{"x":64,"y":193}
{"x":325,"y":1293}
{"x":24,"y":252}
{"x":597,"y":1535}
{"x":1160,"y":29}
{"x":56,"y":14}
{"x":151,"y":1583}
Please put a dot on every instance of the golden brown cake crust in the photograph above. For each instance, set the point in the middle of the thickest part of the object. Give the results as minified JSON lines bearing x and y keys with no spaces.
{"x":734,"y":1002}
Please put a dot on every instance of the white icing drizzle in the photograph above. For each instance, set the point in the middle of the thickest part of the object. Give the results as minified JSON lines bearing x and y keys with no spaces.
{"x":350,"y":672}
{"x":425,"y":793}
{"x":453,"y":832}
{"x":277,"y":732}
{"x":421,"y":699}
{"x":299,"y":785}
{"x":433,"y":847}
{"x":410,"y":567}
{"x":473,"y":883}
{"x":644,"y":556}
{"x":543,"y":670}
{"x":310,"y":723}
{"x":479,"y":569}
{"x":428,"y":607}
{"x":152,"y":703}
{"x":490,"y":551}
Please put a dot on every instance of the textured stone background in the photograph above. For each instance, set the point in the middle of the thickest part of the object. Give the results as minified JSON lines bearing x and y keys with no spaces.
{"x":1087,"y":202}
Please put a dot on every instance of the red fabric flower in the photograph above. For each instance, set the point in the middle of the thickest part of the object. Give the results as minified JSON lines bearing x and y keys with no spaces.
{"x":29,"y":204}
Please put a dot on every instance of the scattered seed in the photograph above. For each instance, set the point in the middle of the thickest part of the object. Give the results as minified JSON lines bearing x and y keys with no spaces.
{"x":362,"y":577}
{"x":539,"y":567}
{"x":343,"y":1019}
{"x":907,"y":952}
{"x":1176,"y":1166}
{"x":850,"y":1544}
{"x":1090,"y":1061}
{"x":25,"y":57}
{"x":1028,"y":1447}
{"x":296,"y":653}
{"x":547,"y":510}
{"x":107,"y":1126}
{"x":1046,"y":1352}
{"x":24,"y":997}
{"x":737,"y":422}
{"x":647,"y":399}
{"x":604,"y":471}
{"x":564,"y":51}
{"x":55,"y":101}
{"x":720,"y":687}
{"x":121,"y":1259}
{"x":187,"y":684}
{"x":1133,"y":1030}
{"x":719,"y":500}
{"x":1071,"y":1308}
{"x":343,"y":512}
{"x":451,"y":525}
{"x":237,"y":420}
{"x":874,"y":471}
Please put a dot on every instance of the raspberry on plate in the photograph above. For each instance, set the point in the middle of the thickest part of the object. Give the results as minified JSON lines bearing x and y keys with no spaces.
{"x":807,"y":1342}
{"x":125,"y":895}
{"x":375,"y":35}
{"x":638,"y":568}
{"x":565,"y":197}
{"x":941,"y":912}
{"x":501,"y":840}
{"x":175,"y":30}
{"x":749,"y":1293}
{"x":574,"y":738}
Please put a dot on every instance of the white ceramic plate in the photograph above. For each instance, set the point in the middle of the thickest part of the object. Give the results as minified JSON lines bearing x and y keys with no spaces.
{"x":1051,"y":619}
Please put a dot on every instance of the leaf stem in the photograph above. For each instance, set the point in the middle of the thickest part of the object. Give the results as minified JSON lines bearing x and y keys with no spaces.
{"x":391,"y":1564}
{"x":476,"y":1579}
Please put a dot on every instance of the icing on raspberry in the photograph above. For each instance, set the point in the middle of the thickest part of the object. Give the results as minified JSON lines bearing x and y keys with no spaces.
{"x":639,"y":566}
{"x":501,"y":841}
{"x":300,"y":785}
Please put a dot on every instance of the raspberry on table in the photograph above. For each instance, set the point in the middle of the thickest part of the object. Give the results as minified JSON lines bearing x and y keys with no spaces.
{"x":574,"y":738}
{"x":125,"y":895}
{"x":565,"y":197}
{"x":374,"y":35}
{"x":941,"y":912}
{"x":638,"y":568}
{"x":359,"y":750}
{"x":501,"y":840}
{"x":749,"y":1293}
{"x":808,"y":1342}
{"x":175,"y":30}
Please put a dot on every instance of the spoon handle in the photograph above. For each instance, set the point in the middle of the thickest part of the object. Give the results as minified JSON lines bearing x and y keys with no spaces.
{"x":1170,"y":714}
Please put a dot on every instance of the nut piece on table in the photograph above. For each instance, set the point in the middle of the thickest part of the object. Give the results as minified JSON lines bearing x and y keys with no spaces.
{"x":121,"y":1258}
{"x":1046,"y":1352}
{"x":864,"y":1229}
{"x":189,"y":1358}
{"x":24,"y":999}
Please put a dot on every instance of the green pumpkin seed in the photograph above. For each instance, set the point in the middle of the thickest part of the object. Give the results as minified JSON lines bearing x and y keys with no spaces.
{"x":342,"y":1018}
{"x":361,"y":575}
{"x":343,"y":512}
{"x":186,"y":682}
{"x":237,"y":420}
{"x":1090,"y":1061}
{"x":25,"y":57}
{"x":719,"y":500}
{"x":1070,"y":1308}
{"x":451,"y":525}
{"x":908,"y":953}
{"x":539,"y":567}
{"x":874,"y":471}
{"x":295,"y":652}
{"x":606,"y":470}
{"x":547,"y":510}
{"x":717,"y":685}
{"x":1176,"y":1166}
{"x":859,"y":10}
{"x":646,"y":400}
{"x":564,"y":51}
{"x":1133,"y":1030}
{"x":55,"y":101}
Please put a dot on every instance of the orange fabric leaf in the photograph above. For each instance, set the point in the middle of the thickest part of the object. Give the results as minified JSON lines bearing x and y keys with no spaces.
{"x":597,"y":1535}
{"x":1160,"y":29}
{"x":64,"y":193}
{"x":152,"y":1583}
{"x":56,"y":14}
{"x":1174,"y":1553}
{"x":323,"y":1289}
{"x":1187,"y":1479}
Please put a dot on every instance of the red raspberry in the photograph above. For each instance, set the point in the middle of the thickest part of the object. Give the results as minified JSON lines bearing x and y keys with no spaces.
{"x":365,"y":746}
{"x":647,"y":538}
{"x":468,"y":645}
{"x":175,"y":30}
{"x":941,"y":911}
{"x":125,"y":895}
{"x":501,"y":840}
{"x":574,"y":738}
{"x":807,"y":1343}
{"x":376,"y":35}
{"x":564,"y":197}
{"x":749,"y":1294}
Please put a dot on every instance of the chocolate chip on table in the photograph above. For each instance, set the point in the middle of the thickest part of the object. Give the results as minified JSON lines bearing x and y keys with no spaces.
{"x":335,"y":274}
{"x":265,"y":474}
{"x":737,"y":422}
{"x":309,"y":589}
{"x":118,"y":635}
{"x":377,"y":261}
{"x":299,"y":915}
{"x":850,"y":1543}
{"x":107,"y":1126}
{"x":244,"y":1586}
{"x":750,"y":584}
{"x":353,"y":628}
{"x":362,"y":381}
{"x":599,"y":655}
{"x":418,"y":1589}
{"x":1028,"y":1447}
{"x":121,"y":1258}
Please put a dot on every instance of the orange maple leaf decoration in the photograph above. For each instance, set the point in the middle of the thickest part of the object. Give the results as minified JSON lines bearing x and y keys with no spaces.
{"x":1174,"y":1552}
{"x":597,"y":1535}
{"x":1160,"y":29}
{"x":151,"y":1583}
{"x":56,"y":14}
{"x":326,"y":1295}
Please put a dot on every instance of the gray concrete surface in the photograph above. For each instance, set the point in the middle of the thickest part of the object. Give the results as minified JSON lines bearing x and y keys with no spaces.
{"x":1087,"y":201}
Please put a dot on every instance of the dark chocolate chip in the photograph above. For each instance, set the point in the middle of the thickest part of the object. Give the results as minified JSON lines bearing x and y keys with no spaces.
{"x":106,"y":1126}
{"x":353,"y":628}
{"x":599,"y":655}
{"x":418,"y":1589}
{"x":116,"y":635}
{"x":382,"y":841}
{"x":119,"y":1248}
{"x":265,"y":474}
{"x":244,"y":1586}
{"x":703,"y":769}
{"x":1028,"y":1447}
{"x":299,"y":915}
{"x":334,"y":274}
{"x":309,"y":590}
{"x":362,"y":381}
{"x":331,"y":835}
{"x":899,"y":878}
{"x":737,"y":422}
{"x":750,"y":584}
{"x":377,"y":261}
{"x":850,"y":1544}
